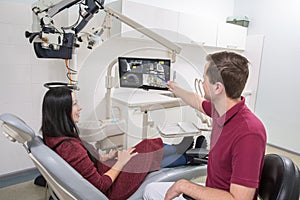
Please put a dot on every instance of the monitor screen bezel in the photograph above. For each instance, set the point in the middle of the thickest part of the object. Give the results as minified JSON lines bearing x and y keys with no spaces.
{"x":145,"y":87}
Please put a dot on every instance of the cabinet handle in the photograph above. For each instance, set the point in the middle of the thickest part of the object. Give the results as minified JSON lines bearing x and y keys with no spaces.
{"x":198,"y":43}
{"x":232,"y":46}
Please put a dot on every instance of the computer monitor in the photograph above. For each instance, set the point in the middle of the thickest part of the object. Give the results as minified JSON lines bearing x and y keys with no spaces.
{"x":144,"y":73}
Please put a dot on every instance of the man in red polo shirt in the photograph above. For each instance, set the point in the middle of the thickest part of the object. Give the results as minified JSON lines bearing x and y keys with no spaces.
{"x":238,"y":137}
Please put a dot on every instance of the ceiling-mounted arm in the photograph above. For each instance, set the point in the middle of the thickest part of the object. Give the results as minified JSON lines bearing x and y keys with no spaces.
{"x":92,"y":8}
{"x":53,"y":7}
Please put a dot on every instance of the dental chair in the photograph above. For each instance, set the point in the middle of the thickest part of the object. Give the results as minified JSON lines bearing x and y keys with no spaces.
{"x":66,"y":183}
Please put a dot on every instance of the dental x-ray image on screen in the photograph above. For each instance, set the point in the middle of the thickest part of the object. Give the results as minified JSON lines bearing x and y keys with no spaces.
{"x":144,"y":73}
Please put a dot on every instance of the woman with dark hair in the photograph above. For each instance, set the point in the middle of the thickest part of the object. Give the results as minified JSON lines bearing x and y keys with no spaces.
{"x":117,"y":174}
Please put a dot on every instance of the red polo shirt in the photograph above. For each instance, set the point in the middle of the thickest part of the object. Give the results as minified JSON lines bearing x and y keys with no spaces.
{"x":238,"y":142}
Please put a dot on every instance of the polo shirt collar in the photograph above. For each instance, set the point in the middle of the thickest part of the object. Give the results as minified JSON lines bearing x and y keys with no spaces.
{"x":221,"y":121}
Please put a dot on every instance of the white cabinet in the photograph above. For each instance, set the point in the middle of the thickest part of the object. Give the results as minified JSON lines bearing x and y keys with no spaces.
{"x":197,"y":29}
{"x":231,"y":36}
{"x":183,"y":28}
{"x":161,"y":21}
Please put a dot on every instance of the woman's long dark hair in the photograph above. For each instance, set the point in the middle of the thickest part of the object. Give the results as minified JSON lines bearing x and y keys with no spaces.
{"x":57,"y":116}
{"x":57,"y":113}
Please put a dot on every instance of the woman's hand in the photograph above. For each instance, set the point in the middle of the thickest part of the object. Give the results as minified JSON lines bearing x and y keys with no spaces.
{"x":125,"y":155}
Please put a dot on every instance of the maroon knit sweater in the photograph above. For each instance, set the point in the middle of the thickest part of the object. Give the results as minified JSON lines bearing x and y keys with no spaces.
{"x":148,"y":159}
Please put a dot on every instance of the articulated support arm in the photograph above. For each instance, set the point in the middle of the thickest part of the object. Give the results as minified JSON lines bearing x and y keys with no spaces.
{"x":50,"y":41}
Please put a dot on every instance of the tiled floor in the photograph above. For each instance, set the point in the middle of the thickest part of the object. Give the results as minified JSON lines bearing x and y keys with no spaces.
{"x":29,"y":191}
{"x":24,"y":191}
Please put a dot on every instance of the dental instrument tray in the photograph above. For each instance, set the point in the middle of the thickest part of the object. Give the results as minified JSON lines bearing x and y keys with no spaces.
{"x":144,"y":73}
{"x":179,"y":129}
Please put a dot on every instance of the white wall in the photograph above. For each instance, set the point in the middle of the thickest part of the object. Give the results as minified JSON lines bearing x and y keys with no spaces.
{"x":22,"y":76}
{"x":278,"y":92}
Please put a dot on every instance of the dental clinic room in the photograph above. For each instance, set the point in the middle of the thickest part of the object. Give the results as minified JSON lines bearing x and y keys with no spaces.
{"x":149,"y":99}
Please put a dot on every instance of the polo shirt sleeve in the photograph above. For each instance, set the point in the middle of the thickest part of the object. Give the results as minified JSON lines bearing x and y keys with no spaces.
{"x":247,"y":162}
{"x":76,"y":155}
{"x":206,"y":105}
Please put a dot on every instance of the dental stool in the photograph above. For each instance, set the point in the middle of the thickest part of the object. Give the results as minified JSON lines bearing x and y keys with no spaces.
{"x":66,"y":183}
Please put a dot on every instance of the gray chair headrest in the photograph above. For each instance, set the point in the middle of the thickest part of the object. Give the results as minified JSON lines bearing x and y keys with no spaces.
{"x":16,"y":129}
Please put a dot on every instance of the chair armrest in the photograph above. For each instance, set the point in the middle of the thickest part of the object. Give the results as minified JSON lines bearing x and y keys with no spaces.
{"x":199,"y":155}
{"x":198,"y":152}
{"x":187,"y":197}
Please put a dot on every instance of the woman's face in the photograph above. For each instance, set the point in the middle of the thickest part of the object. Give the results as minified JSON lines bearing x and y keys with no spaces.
{"x":76,"y":108}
